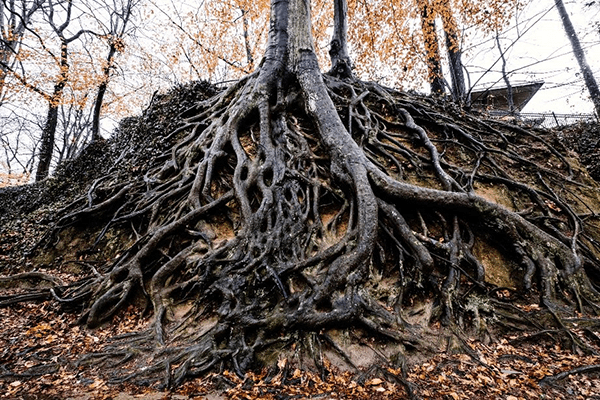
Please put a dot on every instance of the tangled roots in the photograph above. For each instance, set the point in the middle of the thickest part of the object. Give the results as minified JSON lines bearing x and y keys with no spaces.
{"x":274,"y":219}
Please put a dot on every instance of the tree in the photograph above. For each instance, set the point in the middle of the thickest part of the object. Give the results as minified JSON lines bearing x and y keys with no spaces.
{"x":15,"y":19}
{"x":588,"y":76}
{"x":383,"y":33}
{"x":292,"y":203}
{"x":211,"y":50}
{"x":341,"y":65}
{"x":54,"y":100}
{"x":434,"y":63}
{"x":42,"y":71}
{"x":459,"y":91}
{"x":509,"y":90}
{"x":119,"y":19}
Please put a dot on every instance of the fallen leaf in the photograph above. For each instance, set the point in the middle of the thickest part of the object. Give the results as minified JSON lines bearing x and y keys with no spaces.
{"x":281,"y":363}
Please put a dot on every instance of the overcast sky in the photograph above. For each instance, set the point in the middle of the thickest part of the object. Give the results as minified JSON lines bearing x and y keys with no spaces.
{"x":543,"y":53}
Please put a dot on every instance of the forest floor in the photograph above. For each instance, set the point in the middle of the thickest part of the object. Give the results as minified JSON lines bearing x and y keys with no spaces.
{"x":42,"y":346}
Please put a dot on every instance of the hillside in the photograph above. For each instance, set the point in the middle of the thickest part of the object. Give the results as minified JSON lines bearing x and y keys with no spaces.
{"x":496,"y":333}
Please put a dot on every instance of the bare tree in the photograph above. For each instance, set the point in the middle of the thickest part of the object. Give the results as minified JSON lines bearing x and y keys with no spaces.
{"x":120,"y":16}
{"x":588,"y":76}
{"x":60,"y":30}
{"x":510,"y":97}
{"x":452,"y":35}
{"x":15,"y":19}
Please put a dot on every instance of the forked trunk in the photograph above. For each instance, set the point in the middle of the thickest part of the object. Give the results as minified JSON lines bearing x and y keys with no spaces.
{"x":341,"y":65}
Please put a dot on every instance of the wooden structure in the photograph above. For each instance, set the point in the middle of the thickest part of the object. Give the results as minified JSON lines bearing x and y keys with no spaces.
{"x":497,"y":99}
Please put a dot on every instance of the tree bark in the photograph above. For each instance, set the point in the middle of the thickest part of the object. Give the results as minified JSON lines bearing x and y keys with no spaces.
{"x":249,"y":57}
{"x":432,"y":48}
{"x":341,"y":65}
{"x":588,"y":76}
{"x":49,"y":131}
{"x":101,"y":92}
{"x":459,"y":91}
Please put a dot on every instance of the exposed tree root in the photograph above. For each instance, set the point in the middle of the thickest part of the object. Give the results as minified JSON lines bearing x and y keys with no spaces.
{"x":581,"y":370}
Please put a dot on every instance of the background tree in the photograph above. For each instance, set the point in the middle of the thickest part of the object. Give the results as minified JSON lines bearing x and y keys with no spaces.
{"x":453,"y":47}
{"x":54,"y":99}
{"x":63,"y":44}
{"x":432,"y":49}
{"x":401,"y":43}
{"x":579,"y":54}
{"x":120,"y":16}
{"x":15,"y":20}
{"x":509,"y":90}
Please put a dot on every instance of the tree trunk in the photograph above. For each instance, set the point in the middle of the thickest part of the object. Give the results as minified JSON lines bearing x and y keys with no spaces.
{"x":341,"y":65}
{"x":101,"y":92}
{"x":588,"y":76}
{"x":49,"y":131}
{"x":432,"y":48}
{"x":47,"y":143}
{"x":454,"y":53}
{"x":249,"y":57}
{"x":509,"y":90}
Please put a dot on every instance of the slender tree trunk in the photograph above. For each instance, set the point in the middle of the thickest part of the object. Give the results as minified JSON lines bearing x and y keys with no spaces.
{"x":49,"y":131}
{"x":341,"y":65}
{"x":48,"y":136}
{"x":101,"y":92}
{"x":249,"y":57}
{"x":459,"y":91}
{"x":509,"y":91}
{"x":588,"y":76}
{"x":432,"y":48}
{"x":116,"y":44}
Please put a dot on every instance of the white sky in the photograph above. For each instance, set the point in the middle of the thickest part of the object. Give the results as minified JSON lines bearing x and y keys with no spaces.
{"x":543,"y":53}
